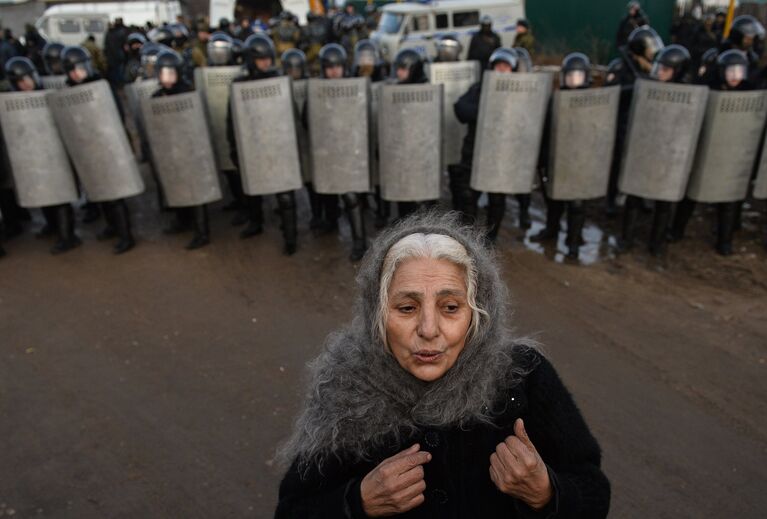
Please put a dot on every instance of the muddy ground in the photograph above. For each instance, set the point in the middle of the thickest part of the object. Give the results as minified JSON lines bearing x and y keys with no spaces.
{"x":158,"y":383}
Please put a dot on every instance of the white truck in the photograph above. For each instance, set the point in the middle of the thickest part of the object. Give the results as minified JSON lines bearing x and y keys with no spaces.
{"x":70,"y":24}
{"x":415,"y":25}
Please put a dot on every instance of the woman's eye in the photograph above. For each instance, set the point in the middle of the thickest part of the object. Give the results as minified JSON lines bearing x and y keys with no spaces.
{"x":407,"y":309}
{"x":451,"y":308}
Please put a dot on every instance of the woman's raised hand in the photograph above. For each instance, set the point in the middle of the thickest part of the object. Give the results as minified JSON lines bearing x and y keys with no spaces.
{"x":396,"y":485}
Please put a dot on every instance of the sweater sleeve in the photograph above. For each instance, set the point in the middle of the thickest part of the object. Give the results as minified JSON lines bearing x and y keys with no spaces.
{"x":467,"y":107}
{"x":562,"y":438}
{"x":331,"y":494}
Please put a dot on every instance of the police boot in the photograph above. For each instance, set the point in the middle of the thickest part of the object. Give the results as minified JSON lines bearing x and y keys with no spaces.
{"x":727,"y":215}
{"x":469,"y":199}
{"x":91,"y":212}
{"x":496,"y":209}
{"x":315,"y":204}
{"x":287,"y":205}
{"x":234,"y":182}
{"x":684,"y":211}
{"x":199,"y":214}
{"x":11,"y":221}
{"x":524,"y":210}
{"x":331,"y":211}
{"x":110,"y":230}
{"x":630,"y":217}
{"x":65,"y":224}
{"x":254,"y":207}
{"x":121,"y":218}
{"x":50,"y":227}
{"x":405,"y":209}
{"x":179,"y":221}
{"x":455,"y":179}
{"x":657,"y":245}
{"x":576,"y":217}
{"x":382,"y":210}
{"x":554,"y":211}
{"x":357,"y":225}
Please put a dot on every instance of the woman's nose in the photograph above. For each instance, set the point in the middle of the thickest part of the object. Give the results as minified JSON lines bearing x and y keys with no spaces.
{"x":428,"y":324}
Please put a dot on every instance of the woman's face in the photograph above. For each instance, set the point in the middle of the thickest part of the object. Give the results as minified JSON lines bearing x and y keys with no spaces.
{"x":428,"y":316}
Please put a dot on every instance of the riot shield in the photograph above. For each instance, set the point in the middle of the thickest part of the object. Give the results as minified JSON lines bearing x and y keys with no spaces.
{"x":338,"y":132}
{"x":137,"y":92}
{"x":299,"y":101}
{"x":181,"y":149}
{"x":729,"y":143}
{"x":215,"y":85}
{"x":39,"y":163}
{"x":664,"y":124}
{"x":456,"y":77}
{"x":54,"y":82}
{"x":581,"y":140}
{"x":512,"y":113}
{"x":410,"y":138}
{"x":95,"y":139}
{"x":265,"y":128}
{"x":760,"y":187}
{"x":375,"y":159}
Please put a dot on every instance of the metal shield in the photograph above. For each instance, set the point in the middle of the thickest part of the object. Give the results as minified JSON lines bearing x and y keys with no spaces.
{"x":375,"y":159}
{"x":137,"y":92}
{"x":299,"y":101}
{"x":95,"y":138}
{"x":664,"y":124}
{"x":581,"y":140}
{"x":265,"y":128}
{"x":215,"y":85}
{"x":456,"y":77}
{"x":729,"y":143}
{"x":410,"y":138}
{"x":39,"y":163}
{"x":338,"y":131}
{"x":54,"y":82}
{"x":512,"y":113}
{"x":181,"y":149}
{"x":760,"y":187}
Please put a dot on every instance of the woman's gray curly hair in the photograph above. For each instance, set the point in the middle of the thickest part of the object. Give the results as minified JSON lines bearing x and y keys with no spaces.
{"x":360,"y":400}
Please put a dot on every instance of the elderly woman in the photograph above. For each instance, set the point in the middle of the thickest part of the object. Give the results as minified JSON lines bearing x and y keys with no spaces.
{"x":426,"y":406}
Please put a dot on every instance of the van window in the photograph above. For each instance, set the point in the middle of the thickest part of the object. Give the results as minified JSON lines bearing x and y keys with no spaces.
{"x":68,"y":25}
{"x":465,"y":18}
{"x":419,"y":22}
{"x":94,"y":25}
{"x":390,"y":23}
{"x":441,"y":20}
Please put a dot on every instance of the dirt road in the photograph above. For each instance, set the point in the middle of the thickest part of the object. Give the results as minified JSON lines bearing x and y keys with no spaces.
{"x":158,"y":383}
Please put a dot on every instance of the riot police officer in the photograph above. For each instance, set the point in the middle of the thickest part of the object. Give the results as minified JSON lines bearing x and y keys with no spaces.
{"x":52,"y":58}
{"x":286,"y":34}
{"x":731,"y":74}
{"x":449,"y":48}
{"x":636,"y":62}
{"x":333,"y":65}
{"x":294,"y":64}
{"x":260,"y":59}
{"x":503,"y":60}
{"x":575,"y":74}
{"x":484,"y":42}
{"x":316,"y":35}
{"x":671,"y":64}
{"x":169,"y":67}
{"x":23,"y":77}
{"x":133,"y":45}
{"x":746,"y":34}
{"x":79,"y":70}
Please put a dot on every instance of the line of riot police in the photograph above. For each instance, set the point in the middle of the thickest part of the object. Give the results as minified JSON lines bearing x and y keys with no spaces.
{"x":356,"y":130}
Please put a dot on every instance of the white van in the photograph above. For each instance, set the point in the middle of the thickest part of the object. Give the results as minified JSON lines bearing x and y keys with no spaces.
{"x":412,"y":25}
{"x":70,"y":24}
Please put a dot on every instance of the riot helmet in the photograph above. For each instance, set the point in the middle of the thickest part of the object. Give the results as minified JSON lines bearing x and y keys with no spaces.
{"x":162,"y":35}
{"x":238,"y":51}
{"x":506,"y":60}
{"x":135,"y":41}
{"x":259,"y":53}
{"x":367,"y":58}
{"x":644,"y":41}
{"x":149,"y":54}
{"x":220,"y":49}
{"x":22,"y":74}
{"x":52,"y":58}
{"x":525,"y":60}
{"x":449,"y":48}
{"x":671,"y":64}
{"x":747,"y":34}
{"x":408,"y":67}
{"x":180,"y":34}
{"x":294,"y":63}
{"x":333,"y":61}
{"x":486,"y":24}
{"x":575,"y":72}
{"x":77,"y":63}
{"x":732,"y":68}
{"x":707,"y":67}
{"x":169,"y":67}
{"x":614,"y":71}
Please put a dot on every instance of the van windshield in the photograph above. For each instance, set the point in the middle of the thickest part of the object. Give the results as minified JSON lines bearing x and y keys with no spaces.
{"x":390,"y":23}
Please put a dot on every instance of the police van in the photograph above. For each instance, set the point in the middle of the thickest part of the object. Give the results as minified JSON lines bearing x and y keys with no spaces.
{"x":419,"y":25}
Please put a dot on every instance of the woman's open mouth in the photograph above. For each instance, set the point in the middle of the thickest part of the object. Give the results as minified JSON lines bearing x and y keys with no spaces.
{"x":428,"y":356}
